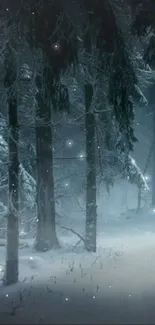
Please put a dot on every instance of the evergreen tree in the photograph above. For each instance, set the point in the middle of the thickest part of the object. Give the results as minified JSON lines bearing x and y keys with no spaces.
{"x":113,"y":63}
{"x":50,"y":31}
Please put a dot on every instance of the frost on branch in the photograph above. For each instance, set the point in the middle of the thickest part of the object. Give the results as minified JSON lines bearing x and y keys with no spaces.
{"x":28,"y":187}
{"x":133,"y":174}
{"x":139,"y":96}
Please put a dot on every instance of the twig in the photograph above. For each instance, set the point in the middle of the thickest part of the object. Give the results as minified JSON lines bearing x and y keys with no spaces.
{"x":74,"y":232}
{"x":79,"y":241}
{"x":15,"y":308}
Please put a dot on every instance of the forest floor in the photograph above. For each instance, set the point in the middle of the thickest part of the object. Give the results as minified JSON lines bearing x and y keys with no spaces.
{"x":114,"y":286}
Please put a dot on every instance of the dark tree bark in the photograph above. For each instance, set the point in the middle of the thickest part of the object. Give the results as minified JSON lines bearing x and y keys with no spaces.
{"x":139,"y":199}
{"x":11,"y":272}
{"x":46,"y":226}
{"x":91,"y":208}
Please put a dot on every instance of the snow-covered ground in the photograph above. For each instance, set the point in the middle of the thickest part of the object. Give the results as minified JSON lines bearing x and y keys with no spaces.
{"x":115,"y":286}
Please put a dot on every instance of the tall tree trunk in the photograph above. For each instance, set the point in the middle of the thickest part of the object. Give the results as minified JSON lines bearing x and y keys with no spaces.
{"x":91,"y":207}
{"x":46,"y":226}
{"x":153,"y":165}
{"x":11,"y":273}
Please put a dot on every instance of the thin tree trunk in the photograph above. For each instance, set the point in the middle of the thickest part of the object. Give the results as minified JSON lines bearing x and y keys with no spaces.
{"x":11,"y":275}
{"x":46,"y":226}
{"x":145,"y":170}
{"x":139,"y":199}
{"x":91,"y":208}
{"x":153,"y":166}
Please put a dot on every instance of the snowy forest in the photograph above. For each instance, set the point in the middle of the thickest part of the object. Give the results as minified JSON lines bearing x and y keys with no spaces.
{"x":77,"y":158}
